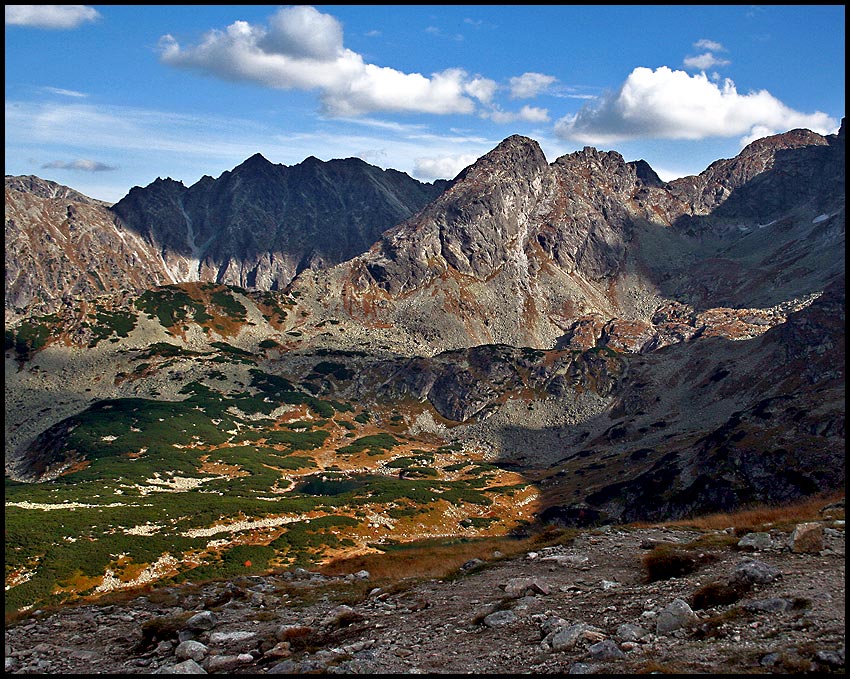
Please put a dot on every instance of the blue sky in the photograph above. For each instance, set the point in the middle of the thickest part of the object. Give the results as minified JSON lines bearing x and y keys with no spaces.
{"x":103,"y":98}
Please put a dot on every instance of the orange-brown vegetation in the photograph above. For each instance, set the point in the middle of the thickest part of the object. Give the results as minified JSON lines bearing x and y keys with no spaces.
{"x":756,"y":518}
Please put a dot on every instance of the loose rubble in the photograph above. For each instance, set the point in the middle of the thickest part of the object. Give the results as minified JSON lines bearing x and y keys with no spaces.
{"x":583,"y":607}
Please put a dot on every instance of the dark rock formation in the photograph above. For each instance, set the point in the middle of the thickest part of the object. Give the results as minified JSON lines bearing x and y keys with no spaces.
{"x":260,"y":224}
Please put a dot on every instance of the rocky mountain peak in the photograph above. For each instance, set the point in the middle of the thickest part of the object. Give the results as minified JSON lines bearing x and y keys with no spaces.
{"x":310,"y":161}
{"x":471,"y":227}
{"x":44,"y":188}
{"x":645,"y":173}
{"x":792,"y":139}
{"x":257,"y":160}
{"x":516,"y":155}
{"x":167,"y":183}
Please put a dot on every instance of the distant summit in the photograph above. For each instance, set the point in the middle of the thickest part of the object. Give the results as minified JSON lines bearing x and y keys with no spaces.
{"x":540,"y":241}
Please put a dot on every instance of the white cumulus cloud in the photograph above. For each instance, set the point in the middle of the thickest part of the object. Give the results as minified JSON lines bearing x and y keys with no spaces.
{"x":668,"y":104}
{"x":50,"y":16}
{"x":302,"y":48}
{"x":482,"y":89}
{"x":703,"y":62}
{"x":529,"y":85}
{"x":442,"y":167}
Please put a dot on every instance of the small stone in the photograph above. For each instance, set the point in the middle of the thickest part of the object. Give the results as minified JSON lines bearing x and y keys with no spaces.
{"x":517,"y":587}
{"x":185,"y":667}
{"x":227,"y":637}
{"x":201,"y":621}
{"x":566,"y":638}
{"x":285,"y":667}
{"x":472,"y":563}
{"x":193,"y":650}
{"x":831,"y":658}
{"x":500,"y":618}
{"x":674,"y":617}
{"x":769,"y":660}
{"x":751,"y":572}
{"x":772,"y":605}
{"x":807,"y":538}
{"x":605,"y":650}
{"x":225,"y":663}
{"x":755,"y":542}
{"x":630,"y":632}
{"x":282,"y":649}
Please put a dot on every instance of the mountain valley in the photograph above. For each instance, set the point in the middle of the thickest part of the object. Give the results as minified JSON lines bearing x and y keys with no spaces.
{"x":291,"y":367}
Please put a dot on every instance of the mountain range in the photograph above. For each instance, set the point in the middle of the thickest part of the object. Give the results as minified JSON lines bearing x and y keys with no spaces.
{"x":604,"y":345}
{"x":257,"y":225}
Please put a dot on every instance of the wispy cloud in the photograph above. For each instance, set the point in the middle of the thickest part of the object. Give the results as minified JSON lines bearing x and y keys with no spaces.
{"x":64,"y":92}
{"x":302,"y":48}
{"x":529,"y":114}
{"x":54,"y":17}
{"x":440,"y":33}
{"x":703,"y":62}
{"x":705,"y":44}
{"x":82,"y":164}
{"x":389,"y":125}
{"x":668,"y":104}
{"x":122,"y":128}
{"x":478,"y":24}
{"x":216,"y":143}
{"x":530,"y":85}
{"x":706,"y":60}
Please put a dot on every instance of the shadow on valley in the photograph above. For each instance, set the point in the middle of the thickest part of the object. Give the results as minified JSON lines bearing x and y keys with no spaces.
{"x":711,"y":425}
{"x":762,"y":243}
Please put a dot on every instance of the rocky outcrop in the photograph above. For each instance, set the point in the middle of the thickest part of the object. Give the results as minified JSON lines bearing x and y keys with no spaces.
{"x":256,"y":226}
{"x":768,"y":178}
{"x":519,"y":251}
{"x":62,"y":244}
{"x":712,"y":425}
{"x":260,"y":224}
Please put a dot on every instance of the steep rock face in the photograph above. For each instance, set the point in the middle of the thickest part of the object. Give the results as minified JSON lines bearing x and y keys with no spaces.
{"x":260,"y":224}
{"x":706,"y":192}
{"x":61,"y":244}
{"x":518,"y":250}
{"x":474,"y":229}
{"x":256,"y":226}
{"x":510,"y":254}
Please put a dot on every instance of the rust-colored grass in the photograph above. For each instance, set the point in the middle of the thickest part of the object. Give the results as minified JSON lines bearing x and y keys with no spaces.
{"x":755,"y":518}
{"x":431,"y":559}
{"x":424,"y":561}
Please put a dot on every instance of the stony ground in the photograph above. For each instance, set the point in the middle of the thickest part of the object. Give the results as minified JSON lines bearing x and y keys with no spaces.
{"x":584,"y":606}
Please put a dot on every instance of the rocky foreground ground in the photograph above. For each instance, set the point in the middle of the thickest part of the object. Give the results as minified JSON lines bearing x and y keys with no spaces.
{"x":764,"y":602}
